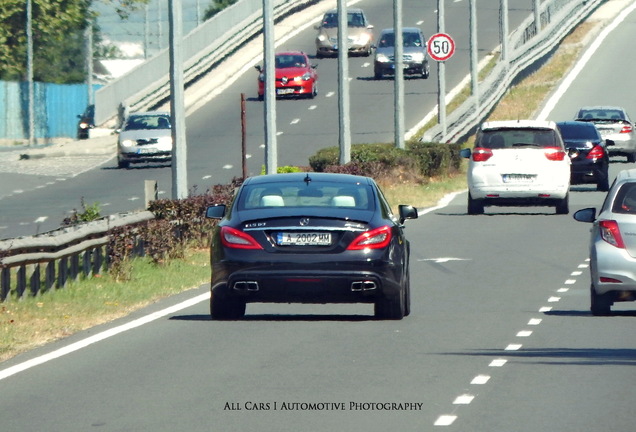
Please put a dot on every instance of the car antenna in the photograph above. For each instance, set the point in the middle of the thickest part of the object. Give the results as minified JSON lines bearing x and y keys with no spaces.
{"x":307,"y":179}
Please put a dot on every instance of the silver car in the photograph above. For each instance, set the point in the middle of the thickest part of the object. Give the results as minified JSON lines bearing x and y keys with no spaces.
{"x":359,"y":33}
{"x":145,"y":137}
{"x":614,"y":124}
{"x":414,"y":55}
{"x":613,"y":245}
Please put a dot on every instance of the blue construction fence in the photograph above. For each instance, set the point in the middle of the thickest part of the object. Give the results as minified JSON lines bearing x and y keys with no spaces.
{"x":56,"y":107}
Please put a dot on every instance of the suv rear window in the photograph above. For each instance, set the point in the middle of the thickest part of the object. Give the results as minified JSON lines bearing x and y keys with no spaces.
{"x":518,"y":137}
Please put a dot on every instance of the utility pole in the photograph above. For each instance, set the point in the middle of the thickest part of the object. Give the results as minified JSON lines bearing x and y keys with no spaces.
{"x":29,"y":32}
{"x":344,"y":121}
{"x":177,"y":106}
{"x":398,"y":85}
{"x":271,"y":150}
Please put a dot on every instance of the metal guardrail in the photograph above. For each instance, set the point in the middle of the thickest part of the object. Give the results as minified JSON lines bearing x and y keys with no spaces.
{"x":148,"y":84}
{"x":558,"y":18}
{"x":63,"y":254}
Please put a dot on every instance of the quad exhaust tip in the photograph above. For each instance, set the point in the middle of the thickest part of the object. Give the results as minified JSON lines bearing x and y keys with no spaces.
{"x":363,"y":286}
{"x":246,"y":286}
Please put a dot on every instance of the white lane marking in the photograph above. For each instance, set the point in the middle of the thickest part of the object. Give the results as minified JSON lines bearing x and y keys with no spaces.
{"x":443,"y":260}
{"x":279,"y":133}
{"x":570,"y":281}
{"x":205,"y":177}
{"x":464,"y":399}
{"x":563,"y":290}
{"x":554,"y":299}
{"x":535,"y":321}
{"x":41,"y":219}
{"x":480,"y":379}
{"x":445,"y":420}
{"x":545,"y":309}
{"x":498,"y":362}
{"x":583,"y":265}
{"x":295,"y":121}
{"x":513,"y":347}
{"x":228,"y":166}
{"x":576,"y":273}
{"x":21,"y":367}
{"x":587,"y":55}
{"x":313,"y":107}
{"x":134,"y":198}
{"x":524,"y":333}
{"x":330,"y":94}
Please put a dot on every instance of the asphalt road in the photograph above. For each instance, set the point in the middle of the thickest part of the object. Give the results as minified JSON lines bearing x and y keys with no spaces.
{"x":500,"y":339}
{"x":46,"y":194}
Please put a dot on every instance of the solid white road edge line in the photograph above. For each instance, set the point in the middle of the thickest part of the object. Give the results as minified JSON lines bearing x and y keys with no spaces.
{"x":101,"y":336}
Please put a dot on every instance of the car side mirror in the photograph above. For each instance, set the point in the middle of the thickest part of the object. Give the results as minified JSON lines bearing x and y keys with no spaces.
{"x":258,"y":68}
{"x":313,"y":66}
{"x":465,"y":153}
{"x":585,"y":215}
{"x":609,"y":142}
{"x":215,"y":212}
{"x":407,"y":212}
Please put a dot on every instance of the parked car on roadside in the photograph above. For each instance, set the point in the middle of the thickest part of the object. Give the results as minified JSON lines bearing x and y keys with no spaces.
{"x":588,"y":152}
{"x":295,"y":76}
{"x":86,"y":122}
{"x":359,"y":33}
{"x":414,"y":55}
{"x":310,"y":238}
{"x":518,"y":163}
{"x":613,"y":245}
{"x":612,"y":123}
{"x":145,"y":137}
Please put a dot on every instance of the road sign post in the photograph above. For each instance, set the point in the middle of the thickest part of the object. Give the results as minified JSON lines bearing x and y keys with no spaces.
{"x":441,"y":47}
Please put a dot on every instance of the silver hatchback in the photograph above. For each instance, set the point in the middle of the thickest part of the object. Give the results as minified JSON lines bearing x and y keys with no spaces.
{"x":613,"y":245}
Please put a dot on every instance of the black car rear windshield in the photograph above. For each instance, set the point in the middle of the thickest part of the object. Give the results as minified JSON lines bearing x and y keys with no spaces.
{"x":518,"y":137}
{"x":334,"y":195}
{"x":586,"y":131}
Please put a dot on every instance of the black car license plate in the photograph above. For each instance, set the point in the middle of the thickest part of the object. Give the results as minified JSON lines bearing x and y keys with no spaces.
{"x":303,"y":239}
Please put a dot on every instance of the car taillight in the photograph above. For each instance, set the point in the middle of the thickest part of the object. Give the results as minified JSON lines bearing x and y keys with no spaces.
{"x":481,"y":154}
{"x":610,"y":233}
{"x":596,"y":153}
{"x":375,"y":239}
{"x":555,"y":153}
{"x":626,"y":129}
{"x":233,"y":238}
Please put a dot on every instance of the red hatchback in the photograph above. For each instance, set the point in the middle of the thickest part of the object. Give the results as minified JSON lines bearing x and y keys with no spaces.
{"x":295,"y":76}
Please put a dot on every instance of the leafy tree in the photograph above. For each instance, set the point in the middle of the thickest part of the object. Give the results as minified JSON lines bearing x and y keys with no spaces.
{"x":58,"y":30}
{"x":216,"y":7}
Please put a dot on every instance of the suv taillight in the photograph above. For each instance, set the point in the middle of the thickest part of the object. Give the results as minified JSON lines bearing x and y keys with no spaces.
{"x":555,"y":153}
{"x":611,"y":233}
{"x":481,"y":154}
{"x":596,"y":153}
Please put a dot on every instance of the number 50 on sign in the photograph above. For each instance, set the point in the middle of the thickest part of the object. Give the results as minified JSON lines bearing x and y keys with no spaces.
{"x":440,"y":47}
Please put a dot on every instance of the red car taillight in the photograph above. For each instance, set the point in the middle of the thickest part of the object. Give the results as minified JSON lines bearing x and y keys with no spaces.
{"x":626,"y":129}
{"x":598,"y":152}
{"x":236,"y":239}
{"x":555,"y":153}
{"x":610,"y":233}
{"x":481,"y":154}
{"x":375,"y":239}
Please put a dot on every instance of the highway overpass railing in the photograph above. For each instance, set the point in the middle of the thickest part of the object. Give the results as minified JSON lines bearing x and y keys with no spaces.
{"x":148,"y":84}
{"x":526,"y":46}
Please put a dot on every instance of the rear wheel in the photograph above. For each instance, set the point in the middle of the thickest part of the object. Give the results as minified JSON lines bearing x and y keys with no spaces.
{"x":603,"y":184}
{"x":377,"y":72}
{"x":600,"y":304}
{"x":631,"y":157}
{"x":475,"y":206}
{"x":563,"y":205}
{"x":392,"y":308}
{"x":122,"y":163}
{"x":226,"y":308}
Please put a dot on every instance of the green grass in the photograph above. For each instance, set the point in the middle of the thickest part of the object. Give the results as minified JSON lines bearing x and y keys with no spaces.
{"x":33,"y":321}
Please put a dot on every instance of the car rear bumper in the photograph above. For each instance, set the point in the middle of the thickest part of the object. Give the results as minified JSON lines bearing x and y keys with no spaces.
{"x":145,"y":157}
{"x":309,"y":286}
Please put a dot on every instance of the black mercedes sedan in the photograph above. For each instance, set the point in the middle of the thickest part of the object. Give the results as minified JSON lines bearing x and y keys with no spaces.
{"x":310,"y":238}
{"x":588,"y":153}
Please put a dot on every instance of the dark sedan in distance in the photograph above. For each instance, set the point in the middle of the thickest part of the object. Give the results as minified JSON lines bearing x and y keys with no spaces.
{"x":588,"y":153}
{"x":310,"y":238}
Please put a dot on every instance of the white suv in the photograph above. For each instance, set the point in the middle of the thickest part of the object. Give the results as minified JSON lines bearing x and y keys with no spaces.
{"x":518,"y":163}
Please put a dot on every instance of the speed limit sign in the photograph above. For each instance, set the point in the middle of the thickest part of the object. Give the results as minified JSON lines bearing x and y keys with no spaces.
{"x":440,"y":47}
